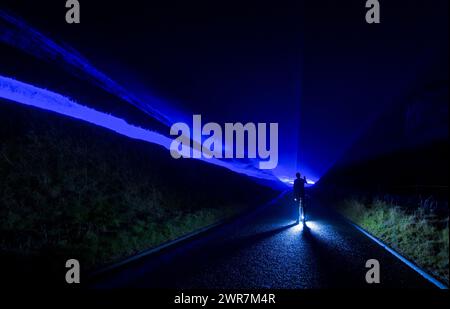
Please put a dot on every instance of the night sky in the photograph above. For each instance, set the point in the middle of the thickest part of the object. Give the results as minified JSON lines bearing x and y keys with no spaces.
{"x":315,"y":67}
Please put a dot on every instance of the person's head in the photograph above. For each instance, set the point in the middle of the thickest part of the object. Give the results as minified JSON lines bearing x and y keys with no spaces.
{"x":298,"y":175}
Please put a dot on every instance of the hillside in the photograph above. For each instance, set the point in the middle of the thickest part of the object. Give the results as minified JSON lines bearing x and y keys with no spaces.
{"x":73,"y":190}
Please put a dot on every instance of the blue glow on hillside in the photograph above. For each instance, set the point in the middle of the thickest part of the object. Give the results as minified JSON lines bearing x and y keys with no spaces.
{"x":30,"y":95}
{"x":290,"y":181}
{"x":19,"y":34}
{"x":22,"y":36}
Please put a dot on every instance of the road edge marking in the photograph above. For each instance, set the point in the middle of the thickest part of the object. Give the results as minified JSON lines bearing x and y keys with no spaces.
{"x":409,"y":263}
{"x":186,"y":237}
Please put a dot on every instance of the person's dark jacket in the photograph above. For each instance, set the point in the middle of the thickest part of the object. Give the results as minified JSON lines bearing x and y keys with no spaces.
{"x":299,"y":188}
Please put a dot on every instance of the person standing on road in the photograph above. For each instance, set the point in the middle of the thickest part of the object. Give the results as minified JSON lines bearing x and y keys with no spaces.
{"x":299,"y":195}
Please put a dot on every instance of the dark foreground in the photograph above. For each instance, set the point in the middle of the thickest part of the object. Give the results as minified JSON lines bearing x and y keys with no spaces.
{"x":265,"y":249}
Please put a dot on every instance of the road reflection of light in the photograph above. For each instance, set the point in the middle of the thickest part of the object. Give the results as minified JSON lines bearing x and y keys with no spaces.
{"x":297,"y":228}
{"x":312,"y":226}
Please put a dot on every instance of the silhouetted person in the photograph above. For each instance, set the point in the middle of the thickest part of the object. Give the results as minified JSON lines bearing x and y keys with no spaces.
{"x":299,"y":195}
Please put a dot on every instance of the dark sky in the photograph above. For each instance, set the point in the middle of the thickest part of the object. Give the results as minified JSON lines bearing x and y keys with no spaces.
{"x":353,"y":71}
{"x":315,"y":66}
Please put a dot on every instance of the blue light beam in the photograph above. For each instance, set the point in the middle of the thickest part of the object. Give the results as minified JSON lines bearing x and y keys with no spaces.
{"x":19,"y":34}
{"x":26,"y":94}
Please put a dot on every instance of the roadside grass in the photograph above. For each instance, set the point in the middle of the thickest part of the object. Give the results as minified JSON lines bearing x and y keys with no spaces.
{"x":419,"y":235}
{"x":61,"y":200}
{"x":69,"y":190}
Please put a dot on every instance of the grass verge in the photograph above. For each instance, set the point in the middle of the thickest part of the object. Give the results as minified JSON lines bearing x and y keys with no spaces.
{"x":71,"y":190}
{"x":419,"y":235}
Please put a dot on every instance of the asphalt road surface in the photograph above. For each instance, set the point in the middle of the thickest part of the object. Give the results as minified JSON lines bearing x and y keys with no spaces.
{"x":265,"y":249}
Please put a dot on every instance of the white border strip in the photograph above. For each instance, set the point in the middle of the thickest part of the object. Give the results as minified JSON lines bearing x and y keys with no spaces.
{"x":419,"y":270}
{"x":151,"y":251}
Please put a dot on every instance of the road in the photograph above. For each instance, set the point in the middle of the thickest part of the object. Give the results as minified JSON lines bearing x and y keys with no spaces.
{"x":265,"y":249}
